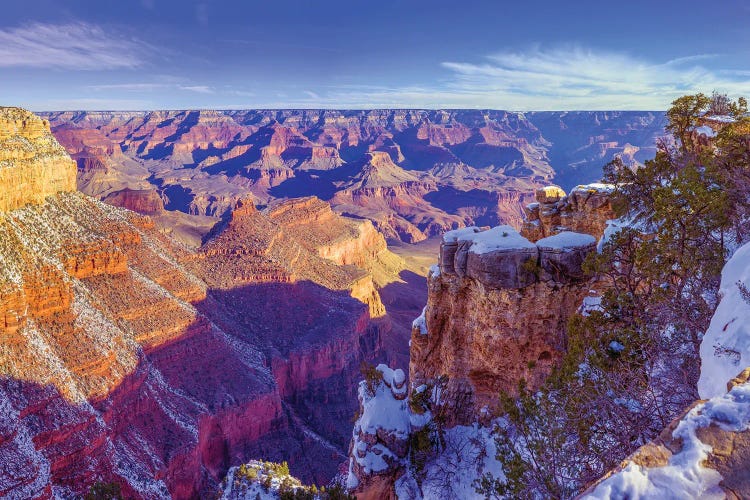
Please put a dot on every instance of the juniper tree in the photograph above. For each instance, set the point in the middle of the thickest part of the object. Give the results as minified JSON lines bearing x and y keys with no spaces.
{"x":632,"y":366}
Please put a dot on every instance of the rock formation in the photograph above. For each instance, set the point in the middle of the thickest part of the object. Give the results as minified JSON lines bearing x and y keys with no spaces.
{"x":33,"y":165}
{"x":380,"y":440}
{"x":497,"y":310}
{"x":586,"y":210}
{"x":703,"y":453}
{"x":129,"y":358}
{"x":413,"y":173}
{"x":143,"y":201}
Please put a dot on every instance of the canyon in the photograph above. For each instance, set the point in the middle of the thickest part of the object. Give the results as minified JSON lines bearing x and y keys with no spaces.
{"x":133,"y":358}
{"x":414,"y":173}
{"x":223,"y":275}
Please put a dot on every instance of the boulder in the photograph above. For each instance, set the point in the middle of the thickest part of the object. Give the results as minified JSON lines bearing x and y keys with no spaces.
{"x":550,"y":194}
{"x":503,"y":268}
{"x":561,"y":256}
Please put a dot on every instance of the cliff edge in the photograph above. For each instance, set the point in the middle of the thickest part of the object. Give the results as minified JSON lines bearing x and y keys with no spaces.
{"x":33,"y":165}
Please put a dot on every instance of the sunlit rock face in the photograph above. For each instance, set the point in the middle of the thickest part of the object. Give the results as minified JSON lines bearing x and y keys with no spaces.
{"x":497,"y":310}
{"x":499,"y":301}
{"x":33,"y":165}
{"x":586,"y":209}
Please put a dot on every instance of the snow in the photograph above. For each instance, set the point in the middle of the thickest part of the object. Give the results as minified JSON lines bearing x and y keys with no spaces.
{"x":684,"y":476}
{"x":381,"y":411}
{"x":612,"y":228}
{"x":725,"y":350}
{"x":421,"y":322}
{"x":567,"y":240}
{"x":500,"y":238}
{"x":237,"y":486}
{"x":617,"y":347}
{"x":720,"y":118}
{"x":591,"y":303}
{"x":532,"y":206}
{"x":469,"y":452}
{"x":434,"y":271}
{"x":460,"y":234}
{"x":705,"y":130}
{"x":597,"y":187}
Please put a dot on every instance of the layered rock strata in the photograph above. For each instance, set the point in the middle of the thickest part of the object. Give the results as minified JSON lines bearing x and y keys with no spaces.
{"x":128,"y":358}
{"x":413,"y":173}
{"x":33,"y":165}
{"x":585,"y":210}
{"x":497,"y":310}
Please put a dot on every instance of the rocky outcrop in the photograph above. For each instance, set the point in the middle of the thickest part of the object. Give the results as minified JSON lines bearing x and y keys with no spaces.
{"x":702,"y":453}
{"x":33,"y":165}
{"x":380,"y":440}
{"x":143,"y":201}
{"x":497,"y":310}
{"x":585,"y":210}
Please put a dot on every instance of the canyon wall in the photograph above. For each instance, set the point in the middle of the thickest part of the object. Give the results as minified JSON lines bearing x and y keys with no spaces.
{"x":33,"y":165}
{"x":127,"y":357}
{"x":413,"y":173}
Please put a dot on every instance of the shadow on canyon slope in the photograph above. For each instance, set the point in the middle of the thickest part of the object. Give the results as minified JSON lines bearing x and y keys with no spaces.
{"x":270,"y":372}
{"x":404,"y":301}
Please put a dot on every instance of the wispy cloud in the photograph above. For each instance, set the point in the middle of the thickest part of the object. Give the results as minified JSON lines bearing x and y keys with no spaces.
{"x":201,"y":89}
{"x":577,"y":77}
{"x":131,"y":87}
{"x":560,"y":78}
{"x":88,"y":104}
{"x":151,"y":87}
{"x":76,"y":46}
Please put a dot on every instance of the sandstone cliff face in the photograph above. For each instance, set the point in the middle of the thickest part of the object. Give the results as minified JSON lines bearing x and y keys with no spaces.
{"x":126,"y":357}
{"x":33,"y":165}
{"x":143,"y":201}
{"x":496,"y":312}
{"x":585,"y":210}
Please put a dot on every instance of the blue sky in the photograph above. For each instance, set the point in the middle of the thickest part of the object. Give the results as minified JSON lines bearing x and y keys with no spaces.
{"x":519,"y":55}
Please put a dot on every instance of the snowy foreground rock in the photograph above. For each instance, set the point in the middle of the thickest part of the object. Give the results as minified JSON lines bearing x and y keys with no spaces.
{"x":706,"y":452}
{"x":387,"y":455}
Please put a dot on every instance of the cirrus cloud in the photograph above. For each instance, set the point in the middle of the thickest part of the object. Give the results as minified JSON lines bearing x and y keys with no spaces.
{"x":71,"y":46}
{"x":560,"y":78}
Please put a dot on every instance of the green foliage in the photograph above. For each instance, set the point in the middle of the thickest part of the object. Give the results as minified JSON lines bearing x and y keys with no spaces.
{"x":372,"y":377}
{"x":289,"y":488}
{"x":532,"y":266}
{"x":683,"y":116}
{"x":337,"y":492}
{"x":419,"y":401}
{"x":104,"y":491}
